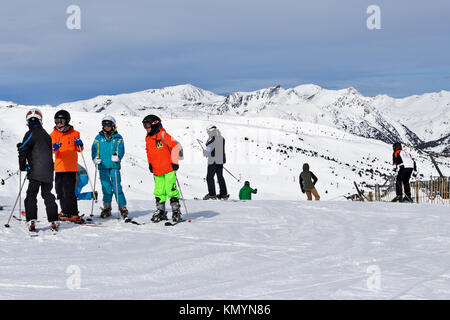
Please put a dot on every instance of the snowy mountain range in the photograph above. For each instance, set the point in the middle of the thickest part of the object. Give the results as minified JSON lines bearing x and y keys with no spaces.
{"x":422,"y":121}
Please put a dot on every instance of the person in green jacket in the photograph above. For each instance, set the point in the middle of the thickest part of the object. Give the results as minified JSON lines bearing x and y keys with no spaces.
{"x":246,"y":192}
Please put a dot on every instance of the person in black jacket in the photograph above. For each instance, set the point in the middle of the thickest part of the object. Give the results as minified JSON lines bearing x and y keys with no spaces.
{"x":308,"y":182}
{"x":35,"y":157}
{"x":215,"y":152}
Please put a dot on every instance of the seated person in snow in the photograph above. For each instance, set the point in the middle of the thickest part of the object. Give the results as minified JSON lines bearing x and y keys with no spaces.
{"x":246,"y":192}
{"x":82,"y":181}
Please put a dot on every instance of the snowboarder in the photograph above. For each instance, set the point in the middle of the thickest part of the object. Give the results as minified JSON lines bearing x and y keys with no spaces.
{"x":82,"y":181}
{"x":407,"y":165}
{"x":308,"y":181}
{"x":66,"y":143}
{"x":215,"y":152}
{"x":108,"y":150}
{"x":163,"y":153}
{"x":35,"y":157}
{"x":246,"y":191}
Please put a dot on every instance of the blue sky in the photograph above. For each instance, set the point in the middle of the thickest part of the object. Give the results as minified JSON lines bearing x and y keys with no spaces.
{"x":222,"y":46}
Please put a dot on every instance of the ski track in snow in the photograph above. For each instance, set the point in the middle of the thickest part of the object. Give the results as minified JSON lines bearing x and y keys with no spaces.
{"x":236,"y":250}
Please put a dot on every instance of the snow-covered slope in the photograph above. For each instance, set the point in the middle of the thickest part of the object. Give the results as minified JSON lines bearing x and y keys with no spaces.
{"x":237,"y":250}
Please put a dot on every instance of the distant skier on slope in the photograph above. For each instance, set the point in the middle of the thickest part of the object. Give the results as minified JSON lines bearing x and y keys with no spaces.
{"x":307,"y":181}
{"x":66,"y":143}
{"x":407,"y":165}
{"x":246,"y":191}
{"x":163,"y":153}
{"x":215,"y":152}
{"x":108,"y":150}
{"x":35,"y":157}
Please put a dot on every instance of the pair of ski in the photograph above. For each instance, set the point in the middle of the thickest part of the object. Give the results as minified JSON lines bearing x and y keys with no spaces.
{"x":35,"y":232}
{"x":167,"y":223}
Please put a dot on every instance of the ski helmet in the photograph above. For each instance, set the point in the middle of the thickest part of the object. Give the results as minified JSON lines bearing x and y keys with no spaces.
{"x":64,"y":115}
{"x":34,"y":116}
{"x":211,"y":129}
{"x":153,"y":122}
{"x":109,"y":121}
{"x":397,"y":146}
{"x":247,"y":183}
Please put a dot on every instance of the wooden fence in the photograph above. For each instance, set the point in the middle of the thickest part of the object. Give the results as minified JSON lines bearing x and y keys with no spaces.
{"x":435,"y":190}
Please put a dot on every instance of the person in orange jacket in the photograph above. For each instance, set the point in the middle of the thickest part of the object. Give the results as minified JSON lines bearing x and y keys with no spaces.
{"x":163,"y":153}
{"x":66,"y":143}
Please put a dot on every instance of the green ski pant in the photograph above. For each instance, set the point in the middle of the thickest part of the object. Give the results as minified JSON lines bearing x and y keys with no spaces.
{"x":166,"y":187}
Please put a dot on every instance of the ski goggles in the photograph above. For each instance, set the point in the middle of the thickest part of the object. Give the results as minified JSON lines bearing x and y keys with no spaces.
{"x":107,"y":123}
{"x":60,"y":120}
{"x":148,"y":124}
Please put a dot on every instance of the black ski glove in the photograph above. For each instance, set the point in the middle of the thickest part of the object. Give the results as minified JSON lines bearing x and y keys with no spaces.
{"x":175,"y":166}
{"x":150,"y":168}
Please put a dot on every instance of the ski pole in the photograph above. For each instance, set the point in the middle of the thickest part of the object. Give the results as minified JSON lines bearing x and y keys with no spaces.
{"x":200,"y":143}
{"x":238,"y":180}
{"x":20,"y":194}
{"x":94,"y":197}
{"x":182,"y":197}
{"x":117,"y":193}
{"x":15,"y":203}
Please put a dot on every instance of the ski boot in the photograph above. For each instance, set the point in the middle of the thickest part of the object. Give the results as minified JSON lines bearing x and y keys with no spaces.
{"x":123,"y":212}
{"x":106,"y":210}
{"x":160,"y":213}
{"x":62,"y":216}
{"x":397,"y":199}
{"x":223,"y":197}
{"x":54,"y":226}
{"x":176,"y":213}
{"x":32,"y":226}
{"x":210,"y":197}
{"x":159,"y":216}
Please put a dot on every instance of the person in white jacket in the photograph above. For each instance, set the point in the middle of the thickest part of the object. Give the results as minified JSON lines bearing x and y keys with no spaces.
{"x":406,"y":165}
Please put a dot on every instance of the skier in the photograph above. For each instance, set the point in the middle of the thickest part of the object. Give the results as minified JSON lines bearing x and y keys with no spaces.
{"x":215,"y":152}
{"x":163,"y":153}
{"x":308,"y":181}
{"x":407,"y":165}
{"x":66,"y":143}
{"x":35,"y":157}
{"x":82,"y":181}
{"x":246,"y":191}
{"x":108,"y":150}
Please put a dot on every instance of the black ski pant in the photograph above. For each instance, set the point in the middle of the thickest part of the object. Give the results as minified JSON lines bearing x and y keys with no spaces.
{"x":216,"y":169}
{"x":49,"y":200}
{"x":403,"y":176}
{"x":65,"y":183}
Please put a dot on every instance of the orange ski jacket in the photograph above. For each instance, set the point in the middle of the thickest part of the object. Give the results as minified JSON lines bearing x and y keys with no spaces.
{"x":66,"y":158}
{"x":162,"y":152}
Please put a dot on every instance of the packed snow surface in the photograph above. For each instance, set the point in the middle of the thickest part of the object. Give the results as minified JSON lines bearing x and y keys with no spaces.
{"x":237,"y":250}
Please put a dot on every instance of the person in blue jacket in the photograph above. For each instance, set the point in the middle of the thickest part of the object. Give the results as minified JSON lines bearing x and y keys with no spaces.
{"x":107,"y":152}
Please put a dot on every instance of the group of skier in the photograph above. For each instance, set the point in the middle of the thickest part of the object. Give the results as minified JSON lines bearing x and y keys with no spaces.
{"x":108,"y":149}
{"x":107,"y":152}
